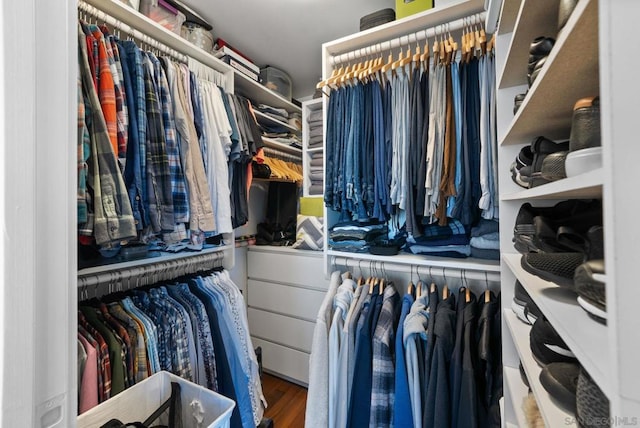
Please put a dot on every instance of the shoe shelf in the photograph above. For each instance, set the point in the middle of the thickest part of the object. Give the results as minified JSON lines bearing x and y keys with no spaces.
{"x":534,"y":18}
{"x":509,"y":16}
{"x":570,"y":73}
{"x":518,"y":391}
{"x":587,"y":338}
{"x":553,"y":415}
{"x":583,"y":186}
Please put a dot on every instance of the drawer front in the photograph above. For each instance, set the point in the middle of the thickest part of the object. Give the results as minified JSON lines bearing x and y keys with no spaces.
{"x":284,"y":361}
{"x":287,"y":268}
{"x":280,"y":329}
{"x":294,"y":301}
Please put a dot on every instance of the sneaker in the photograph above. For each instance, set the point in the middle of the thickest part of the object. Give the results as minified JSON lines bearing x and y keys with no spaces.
{"x":523,"y":305}
{"x":590,"y":286}
{"x":547,"y":346}
{"x":532,"y":312}
{"x":523,"y":160}
{"x":558,"y":268}
{"x":592,"y":406}
{"x":553,"y":166}
{"x":560,"y":380}
{"x":541,"y":147}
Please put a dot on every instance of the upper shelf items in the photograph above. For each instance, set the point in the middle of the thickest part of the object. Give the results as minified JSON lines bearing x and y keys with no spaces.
{"x":570,"y":73}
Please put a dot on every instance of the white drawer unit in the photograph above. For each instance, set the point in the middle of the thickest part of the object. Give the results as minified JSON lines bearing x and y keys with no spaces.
{"x":285,"y":289}
{"x":285,"y":299}
{"x":281,"y":329}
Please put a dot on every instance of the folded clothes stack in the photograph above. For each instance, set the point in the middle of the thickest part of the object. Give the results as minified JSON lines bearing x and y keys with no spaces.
{"x":316,"y":173}
{"x":315,"y":129}
{"x":355,"y":237}
{"x":451,"y":240}
{"x":485,"y":240}
{"x":276,"y":113}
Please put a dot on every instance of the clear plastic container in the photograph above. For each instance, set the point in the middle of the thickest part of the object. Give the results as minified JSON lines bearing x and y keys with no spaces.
{"x":164,"y":14}
{"x":276,"y":80}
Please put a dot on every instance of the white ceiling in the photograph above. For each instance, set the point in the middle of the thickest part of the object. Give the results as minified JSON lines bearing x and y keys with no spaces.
{"x":286,"y":34}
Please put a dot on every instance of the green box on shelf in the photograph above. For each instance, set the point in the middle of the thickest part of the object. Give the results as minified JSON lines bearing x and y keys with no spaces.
{"x":405,"y":8}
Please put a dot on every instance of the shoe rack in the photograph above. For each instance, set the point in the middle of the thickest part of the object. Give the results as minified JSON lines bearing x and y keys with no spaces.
{"x":587,"y":59}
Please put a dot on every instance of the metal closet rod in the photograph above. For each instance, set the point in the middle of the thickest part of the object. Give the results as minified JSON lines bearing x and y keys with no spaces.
{"x":121,"y":26}
{"x":448,"y":272}
{"x":102,"y":283}
{"x":408,"y":39}
{"x":269,"y":151}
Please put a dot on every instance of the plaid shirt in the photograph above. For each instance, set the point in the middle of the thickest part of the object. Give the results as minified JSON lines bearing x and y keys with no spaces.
{"x":104,"y":364}
{"x":127,"y":350}
{"x":113,"y":218}
{"x":158,"y":175}
{"x":201,"y":320}
{"x":383,"y":378}
{"x":178,"y":182}
{"x":176,"y":328}
{"x":435,"y":231}
{"x":161,"y":323}
{"x":84,"y":142}
{"x":139,"y":350}
{"x":122,"y":112}
{"x":134,"y":59}
{"x":149,"y":331}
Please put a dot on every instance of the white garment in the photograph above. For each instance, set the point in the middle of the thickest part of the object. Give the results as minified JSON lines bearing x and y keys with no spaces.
{"x":317,"y":412}
{"x":337,"y":341}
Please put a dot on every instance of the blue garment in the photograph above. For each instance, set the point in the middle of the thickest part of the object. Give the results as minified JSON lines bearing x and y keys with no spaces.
{"x":143,"y":302}
{"x":329,"y":150}
{"x":151,"y":334}
{"x":457,"y":111}
{"x":402,"y":404}
{"x":132,"y":174}
{"x":134,"y":59}
{"x":226,"y":385}
{"x":198,"y":118}
{"x":414,"y":340}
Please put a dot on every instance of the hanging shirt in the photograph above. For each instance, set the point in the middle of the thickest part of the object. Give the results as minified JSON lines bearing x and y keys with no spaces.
{"x":137,"y":338}
{"x":402,"y":416}
{"x":89,"y":379}
{"x":150,"y":333}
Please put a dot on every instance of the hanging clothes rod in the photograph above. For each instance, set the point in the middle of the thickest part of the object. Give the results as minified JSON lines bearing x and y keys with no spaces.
{"x":269,"y":151}
{"x":93,"y":285}
{"x":408,"y":39}
{"x":121,"y":26}
{"x":419,"y":269}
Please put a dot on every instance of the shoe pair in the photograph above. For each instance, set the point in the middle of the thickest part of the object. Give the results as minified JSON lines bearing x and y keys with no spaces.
{"x":536,"y":228}
{"x":523,"y":305}
{"x":574,"y":390}
{"x":538,"y":52}
{"x":589,"y":283}
{"x":526,"y":171}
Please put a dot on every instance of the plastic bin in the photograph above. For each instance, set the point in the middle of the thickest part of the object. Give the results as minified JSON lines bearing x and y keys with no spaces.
{"x":276,"y":80}
{"x":200,"y":407}
{"x":164,"y":14}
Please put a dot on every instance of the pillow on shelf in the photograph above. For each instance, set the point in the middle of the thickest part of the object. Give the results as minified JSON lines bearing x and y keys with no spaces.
{"x":309,"y":233}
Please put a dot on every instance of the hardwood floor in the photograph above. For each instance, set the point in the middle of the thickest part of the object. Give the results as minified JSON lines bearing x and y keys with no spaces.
{"x":287,"y":402}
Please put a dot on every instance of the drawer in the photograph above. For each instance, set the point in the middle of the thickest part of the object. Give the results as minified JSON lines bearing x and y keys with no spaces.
{"x":286,"y":331}
{"x":284,"y":361}
{"x":289,"y":267}
{"x":294,"y":301}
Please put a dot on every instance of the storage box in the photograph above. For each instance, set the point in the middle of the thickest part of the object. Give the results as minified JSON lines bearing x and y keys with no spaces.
{"x":164,"y":14}
{"x":405,"y":8}
{"x":200,"y":407}
{"x":276,"y":80}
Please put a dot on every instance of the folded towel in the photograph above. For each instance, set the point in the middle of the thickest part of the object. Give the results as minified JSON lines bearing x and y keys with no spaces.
{"x":315,"y":115}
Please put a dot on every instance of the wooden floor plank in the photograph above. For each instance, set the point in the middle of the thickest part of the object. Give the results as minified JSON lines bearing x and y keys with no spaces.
{"x":287,"y":402}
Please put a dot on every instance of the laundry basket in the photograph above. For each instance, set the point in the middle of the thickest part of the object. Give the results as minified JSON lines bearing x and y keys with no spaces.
{"x":201,"y":408}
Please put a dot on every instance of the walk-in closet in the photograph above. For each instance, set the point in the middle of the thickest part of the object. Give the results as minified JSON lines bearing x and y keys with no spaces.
{"x":325,"y":215}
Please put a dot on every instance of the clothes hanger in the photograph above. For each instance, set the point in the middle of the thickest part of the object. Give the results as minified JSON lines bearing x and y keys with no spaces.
{"x":445,"y":289}
{"x":387,"y":66}
{"x":487,"y":292}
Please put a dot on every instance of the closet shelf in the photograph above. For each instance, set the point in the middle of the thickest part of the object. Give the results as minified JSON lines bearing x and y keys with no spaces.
{"x":266,"y":118}
{"x":401,"y":27}
{"x":161,"y":257}
{"x":258,"y":93}
{"x":553,"y":415}
{"x":268,"y":142}
{"x":587,"y":338}
{"x":508,"y":16}
{"x":583,"y":186}
{"x":518,"y":391}
{"x":135,"y":19}
{"x":275,"y":180}
{"x":535,"y":18}
{"x":548,"y":106}
{"x":469,"y":264}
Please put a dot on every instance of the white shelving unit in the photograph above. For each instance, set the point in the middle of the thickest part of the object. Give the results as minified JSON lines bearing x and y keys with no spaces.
{"x":518,"y":391}
{"x":588,"y":59}
{"x":270,"y":142}
{"x":265,"y":118}
{"x":553,"y":415}
{"x":309,"y":107}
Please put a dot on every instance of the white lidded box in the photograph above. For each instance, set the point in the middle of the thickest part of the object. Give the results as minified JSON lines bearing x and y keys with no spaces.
{"x":201,"y":408}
